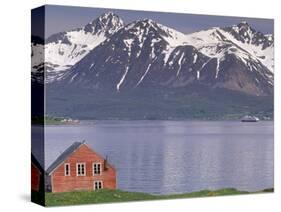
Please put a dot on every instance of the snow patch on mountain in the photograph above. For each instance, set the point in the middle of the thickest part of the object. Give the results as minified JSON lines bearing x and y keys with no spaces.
{"x":179,"y":63}
{"x":122,"y":78}
{"x":66,"y":55}
{"x":143,"y":76}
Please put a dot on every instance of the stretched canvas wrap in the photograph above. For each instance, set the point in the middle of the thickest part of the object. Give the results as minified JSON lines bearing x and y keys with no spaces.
{"x":136,"y":105}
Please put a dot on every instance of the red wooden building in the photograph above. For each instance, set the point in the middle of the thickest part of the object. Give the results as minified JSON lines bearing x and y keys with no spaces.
{"x":37,"y":175}
{"x":80,"y":168}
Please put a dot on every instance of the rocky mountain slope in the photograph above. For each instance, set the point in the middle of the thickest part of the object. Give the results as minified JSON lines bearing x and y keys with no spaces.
{"x":145,"y":53}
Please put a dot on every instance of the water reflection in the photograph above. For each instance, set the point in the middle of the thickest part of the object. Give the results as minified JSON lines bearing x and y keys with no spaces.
{"x":164,"y":157}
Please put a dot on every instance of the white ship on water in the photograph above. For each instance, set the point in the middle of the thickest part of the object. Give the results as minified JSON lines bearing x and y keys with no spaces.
{"x":249,"y":118}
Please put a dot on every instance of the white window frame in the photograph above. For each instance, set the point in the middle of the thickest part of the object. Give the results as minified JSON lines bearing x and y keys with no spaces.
{"x":78,"y":175}
{"x":67,"y":164}
{"x":98,"y":181}
{"x":94,"y":169}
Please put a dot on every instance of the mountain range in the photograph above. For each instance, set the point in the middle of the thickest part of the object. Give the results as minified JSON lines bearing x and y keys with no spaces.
{"x":110,"y":57}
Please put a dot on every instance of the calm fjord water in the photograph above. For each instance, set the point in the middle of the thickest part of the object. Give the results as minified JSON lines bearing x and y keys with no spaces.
{"x":167,"y":157}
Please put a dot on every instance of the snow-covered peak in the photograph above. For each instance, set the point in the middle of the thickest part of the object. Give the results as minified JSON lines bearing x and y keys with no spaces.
{"x":64,"y":49}
{"x":242,"y":38}
{"x":246,"y":34}
{"x":147,"y":22}
{"x":269,"y":37}
{"x":243,"y":24}
{"x":141,"y":25}
{"x":252,"y":41}
{"x":148,"y":26}
{"x":107,"y":23}
{"x":108,"y":15}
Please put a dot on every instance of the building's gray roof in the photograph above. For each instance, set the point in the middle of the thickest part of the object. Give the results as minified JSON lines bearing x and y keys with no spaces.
{"x":63,"y":156}
{"x":36,"y":163}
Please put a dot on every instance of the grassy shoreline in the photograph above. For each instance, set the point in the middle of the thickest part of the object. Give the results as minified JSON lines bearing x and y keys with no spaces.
{"x":49,"y":120}
{"x":108,"y":196}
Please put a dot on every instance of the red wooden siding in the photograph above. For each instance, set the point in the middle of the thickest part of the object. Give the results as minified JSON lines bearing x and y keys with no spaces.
{"x":35,"y":178}
{"x":62,"y":183}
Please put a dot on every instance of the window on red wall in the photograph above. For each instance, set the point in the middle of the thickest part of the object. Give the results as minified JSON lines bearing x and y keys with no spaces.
{"x":67,"y":169}
{"x":96,"y":168}
{"x":81,"y":169}
{"x":98,"y":185}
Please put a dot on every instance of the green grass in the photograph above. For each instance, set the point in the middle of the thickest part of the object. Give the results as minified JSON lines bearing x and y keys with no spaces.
{"x":47,"y":120}
{"x":106,"y":196}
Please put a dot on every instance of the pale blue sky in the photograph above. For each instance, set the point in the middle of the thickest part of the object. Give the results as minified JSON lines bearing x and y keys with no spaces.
{"x":61,"y":18}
